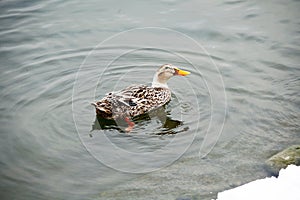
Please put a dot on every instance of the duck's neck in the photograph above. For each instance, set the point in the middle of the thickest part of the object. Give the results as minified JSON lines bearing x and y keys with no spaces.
{"x":159,"y":81}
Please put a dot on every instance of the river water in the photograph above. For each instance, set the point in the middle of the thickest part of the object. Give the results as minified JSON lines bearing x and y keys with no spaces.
{"x":239,"y":105}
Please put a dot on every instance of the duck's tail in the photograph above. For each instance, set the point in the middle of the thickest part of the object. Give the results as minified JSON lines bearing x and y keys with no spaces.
{"x":102,"y":111}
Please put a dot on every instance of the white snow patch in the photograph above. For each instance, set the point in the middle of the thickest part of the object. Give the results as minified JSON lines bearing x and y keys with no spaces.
{"x":286,"y":186}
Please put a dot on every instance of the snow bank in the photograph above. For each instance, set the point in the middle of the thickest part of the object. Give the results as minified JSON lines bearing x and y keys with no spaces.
{"x":286,"y":186}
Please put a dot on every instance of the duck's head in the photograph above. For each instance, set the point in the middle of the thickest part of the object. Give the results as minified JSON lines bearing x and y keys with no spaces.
{"x":164,"y":73}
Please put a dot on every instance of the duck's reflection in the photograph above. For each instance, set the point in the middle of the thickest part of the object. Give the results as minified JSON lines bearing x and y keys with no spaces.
{"x":168,"y":124}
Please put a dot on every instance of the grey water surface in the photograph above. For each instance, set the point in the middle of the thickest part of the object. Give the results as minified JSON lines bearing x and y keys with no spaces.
{"x":239,"y":105}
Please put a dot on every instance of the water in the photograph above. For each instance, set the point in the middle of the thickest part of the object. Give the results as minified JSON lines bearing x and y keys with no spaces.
{"x":52,"y":60}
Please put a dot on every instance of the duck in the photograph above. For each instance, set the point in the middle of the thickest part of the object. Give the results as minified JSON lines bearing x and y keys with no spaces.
{"x":136,"y":100}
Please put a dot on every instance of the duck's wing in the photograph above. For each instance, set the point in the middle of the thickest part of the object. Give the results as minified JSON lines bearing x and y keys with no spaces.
{"x":142,"y":98}
{"x":118,"y":103}
{"x":129,"y":96}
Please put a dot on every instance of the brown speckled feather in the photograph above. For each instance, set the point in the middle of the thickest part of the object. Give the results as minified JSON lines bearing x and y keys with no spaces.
{"x":132,"y":101}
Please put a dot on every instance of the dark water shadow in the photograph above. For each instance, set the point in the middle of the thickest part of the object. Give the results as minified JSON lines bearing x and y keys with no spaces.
{"x":168,"y":124}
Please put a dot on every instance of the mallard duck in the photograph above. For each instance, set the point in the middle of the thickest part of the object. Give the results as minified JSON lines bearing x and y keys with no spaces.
{"x":138,"y":99}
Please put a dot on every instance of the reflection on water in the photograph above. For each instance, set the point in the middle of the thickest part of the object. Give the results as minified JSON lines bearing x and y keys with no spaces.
{"x":167,"y":123}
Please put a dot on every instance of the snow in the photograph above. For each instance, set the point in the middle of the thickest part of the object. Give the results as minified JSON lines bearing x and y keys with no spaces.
{"x":286,"y":186}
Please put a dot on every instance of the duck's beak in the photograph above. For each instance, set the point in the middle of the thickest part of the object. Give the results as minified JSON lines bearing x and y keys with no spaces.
{"x":181,"y":72}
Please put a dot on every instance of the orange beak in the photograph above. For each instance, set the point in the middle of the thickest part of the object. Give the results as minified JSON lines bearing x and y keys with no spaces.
{"x":181,"y":72}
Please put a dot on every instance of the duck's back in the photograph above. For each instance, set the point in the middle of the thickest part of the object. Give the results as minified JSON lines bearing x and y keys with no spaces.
{"x":132,"y":101}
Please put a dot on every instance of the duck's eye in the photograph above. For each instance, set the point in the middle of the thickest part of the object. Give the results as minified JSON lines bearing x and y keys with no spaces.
{"x":167,"y":67}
